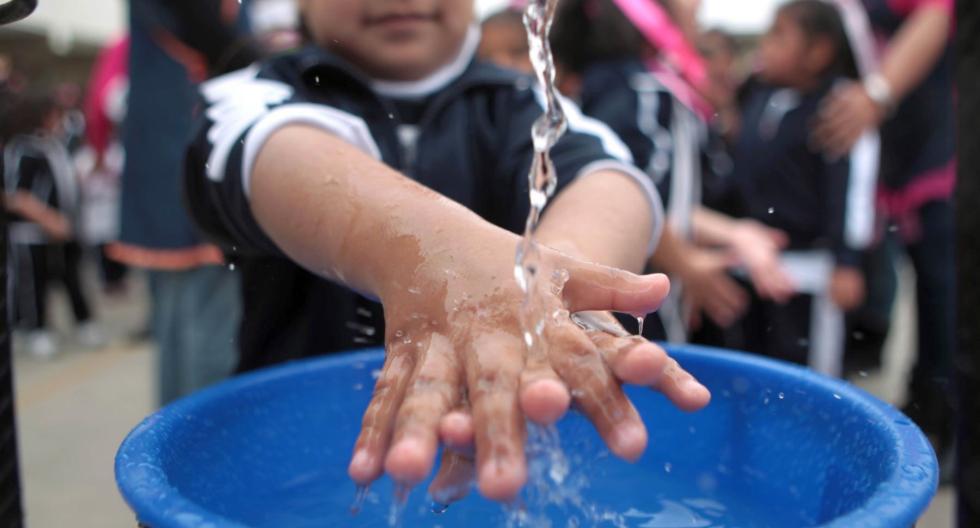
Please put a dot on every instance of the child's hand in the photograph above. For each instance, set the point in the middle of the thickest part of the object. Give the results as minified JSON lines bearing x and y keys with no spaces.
{"x":757,"y":247}
{"x":708,"y":288}
{"x":455,"y":342}
{"x":847,"y":288}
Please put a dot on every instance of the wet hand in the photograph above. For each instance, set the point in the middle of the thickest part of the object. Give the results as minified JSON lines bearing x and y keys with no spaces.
{"x":455,"y":342}
{"x":844,"y":115}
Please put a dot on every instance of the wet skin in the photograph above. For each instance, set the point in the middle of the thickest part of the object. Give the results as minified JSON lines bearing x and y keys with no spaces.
{"x":453,"y":308}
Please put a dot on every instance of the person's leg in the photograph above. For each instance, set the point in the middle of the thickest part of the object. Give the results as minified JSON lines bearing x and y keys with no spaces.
{"x":37,"y":295}
{"x":207,"y":326}
{"x":113,"y":272}
{"x":930,"y":390}
{"x":164,"y":317}
{"x":71,"y":276}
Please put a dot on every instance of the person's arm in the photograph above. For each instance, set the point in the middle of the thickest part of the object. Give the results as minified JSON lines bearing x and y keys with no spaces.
{"x":754,"y":245}
{"x":345,"y":216}
{"x":54,"y":224}
{"x":849,"y":197}
{"x":909,"y":58}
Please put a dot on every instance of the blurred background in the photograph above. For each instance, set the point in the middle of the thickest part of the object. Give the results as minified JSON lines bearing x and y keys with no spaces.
{"x":89,"y":370}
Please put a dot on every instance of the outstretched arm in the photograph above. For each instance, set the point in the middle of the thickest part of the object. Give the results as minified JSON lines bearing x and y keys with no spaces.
{"x":452,"y":309}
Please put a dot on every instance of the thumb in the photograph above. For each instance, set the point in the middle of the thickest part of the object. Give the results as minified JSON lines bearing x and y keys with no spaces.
{"x":592,"y":287}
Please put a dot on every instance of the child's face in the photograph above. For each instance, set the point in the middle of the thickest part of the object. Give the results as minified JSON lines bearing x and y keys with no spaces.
{"x":505,"y":44}
{"x":782,"y":52}
{"x":390,"y":39}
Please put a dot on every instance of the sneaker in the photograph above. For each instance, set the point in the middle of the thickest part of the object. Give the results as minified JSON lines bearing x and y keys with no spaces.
{"x":41,"y":344}
{"x":90,"y":335}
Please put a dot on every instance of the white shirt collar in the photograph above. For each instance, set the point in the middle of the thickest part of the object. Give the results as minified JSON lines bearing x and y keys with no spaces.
{"x":439,"y":79}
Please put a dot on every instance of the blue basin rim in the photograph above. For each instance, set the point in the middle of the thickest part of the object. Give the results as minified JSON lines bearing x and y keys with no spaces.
{"x":898,"y":501}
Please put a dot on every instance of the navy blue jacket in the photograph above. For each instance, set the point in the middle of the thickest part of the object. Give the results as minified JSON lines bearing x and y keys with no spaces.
{"x":464,"y":132}
{"x":785,"y":183}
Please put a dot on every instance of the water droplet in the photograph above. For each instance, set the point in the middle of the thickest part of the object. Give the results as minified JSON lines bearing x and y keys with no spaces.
{"x":316,"y":79}
{"x":438,"y":507}
{"x":765,"y":401}
{"x":837,"y":396}
{"x":668,"y":467}
{"x":863,"y":373}
{"x":358,"y":386}
{"x":781,"y":396}
{"x":391,"y":116}
{"x":771,"y":210}
{"x":359,"y":495}
{"x":231,"y":266}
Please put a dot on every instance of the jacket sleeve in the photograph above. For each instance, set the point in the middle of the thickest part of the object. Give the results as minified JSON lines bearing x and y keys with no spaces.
{"x":241,"y":111}
{"x":587,"y":146}
{"x":849,"y":187}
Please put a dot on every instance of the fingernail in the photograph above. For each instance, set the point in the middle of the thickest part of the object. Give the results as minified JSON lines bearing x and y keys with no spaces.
{"x":692,"y":384}
{"x":627,"y":437}
{"x":361,"y":459}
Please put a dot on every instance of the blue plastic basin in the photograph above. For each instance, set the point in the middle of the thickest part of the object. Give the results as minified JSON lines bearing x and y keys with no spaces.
{"x":777,"y":446}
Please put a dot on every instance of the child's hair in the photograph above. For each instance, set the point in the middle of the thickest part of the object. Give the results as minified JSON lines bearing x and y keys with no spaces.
{"x":590,"y":31}
{"x":26,"y":115}
{"x":821,"y":19}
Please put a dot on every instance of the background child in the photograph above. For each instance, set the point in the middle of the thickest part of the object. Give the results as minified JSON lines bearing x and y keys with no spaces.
{"x":625,"y":81}
{"x":785,"y":183}
{"x":316,"y":170}
{"x":503,"y":40}
{"x":42,"y":199}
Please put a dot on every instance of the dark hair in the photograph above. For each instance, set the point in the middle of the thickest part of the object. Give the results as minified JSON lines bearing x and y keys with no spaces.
{"x":821,"y":19}
{"x":726,"y":39}
{"x":25,"y":115}
{"x":590,"y":31}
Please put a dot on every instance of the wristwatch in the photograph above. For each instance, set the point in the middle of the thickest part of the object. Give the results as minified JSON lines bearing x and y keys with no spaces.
{"x":878,"y":89}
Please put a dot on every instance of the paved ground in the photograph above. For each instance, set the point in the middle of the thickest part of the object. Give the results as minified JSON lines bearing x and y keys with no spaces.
{"x":74,"y":410}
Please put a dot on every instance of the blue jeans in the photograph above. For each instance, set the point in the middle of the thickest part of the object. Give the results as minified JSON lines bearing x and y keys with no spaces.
{"x":195,"y":317}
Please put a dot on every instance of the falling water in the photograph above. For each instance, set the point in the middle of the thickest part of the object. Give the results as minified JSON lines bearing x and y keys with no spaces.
{"x":544,"y":133}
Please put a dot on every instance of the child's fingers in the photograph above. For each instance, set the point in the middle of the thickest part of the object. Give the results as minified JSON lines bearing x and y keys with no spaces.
{"x":453,"y":480}
{"x":456,"y":431}
{"x":433,"y":391}
{"x":492,"y":369}
{"x":544,"y":397}
{"x":594,"y":287}
{"x":682,"y":388}
{"x":632,"y":359}
{"x":597,"y":393}
{"x":376,"y":426}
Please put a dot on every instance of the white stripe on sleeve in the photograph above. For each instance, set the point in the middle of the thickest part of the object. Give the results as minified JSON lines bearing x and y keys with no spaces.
{"x":345,"y":126}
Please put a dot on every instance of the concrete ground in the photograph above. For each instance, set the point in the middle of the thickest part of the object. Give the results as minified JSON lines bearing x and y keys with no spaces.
{"x":75,"y":409}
